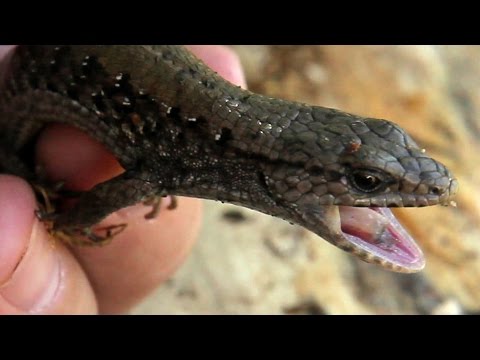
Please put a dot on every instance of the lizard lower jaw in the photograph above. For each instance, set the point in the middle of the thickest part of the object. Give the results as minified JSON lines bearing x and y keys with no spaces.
{"x":377,"y":236}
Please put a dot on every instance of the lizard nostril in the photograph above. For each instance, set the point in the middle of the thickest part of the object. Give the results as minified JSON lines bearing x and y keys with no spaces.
{"x":435,"y":190}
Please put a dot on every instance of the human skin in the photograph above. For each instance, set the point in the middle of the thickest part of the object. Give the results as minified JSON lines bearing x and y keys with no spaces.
{"x":41,"y":275}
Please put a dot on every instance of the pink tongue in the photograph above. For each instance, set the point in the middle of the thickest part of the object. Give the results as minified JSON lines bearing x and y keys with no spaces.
{"x":379,"y":232}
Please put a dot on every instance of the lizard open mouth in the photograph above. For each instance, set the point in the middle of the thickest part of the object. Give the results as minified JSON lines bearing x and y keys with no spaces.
{"x":377,"y":231}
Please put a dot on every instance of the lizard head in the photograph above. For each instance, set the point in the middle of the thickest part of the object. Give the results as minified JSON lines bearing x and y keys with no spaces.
{"x":341,"y":182}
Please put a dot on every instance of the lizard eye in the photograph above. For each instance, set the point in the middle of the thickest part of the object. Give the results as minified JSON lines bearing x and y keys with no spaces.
{"x":366,"y":180}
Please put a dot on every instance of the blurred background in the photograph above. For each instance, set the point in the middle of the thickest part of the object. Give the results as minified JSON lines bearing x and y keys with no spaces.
{"x":249,"y":263}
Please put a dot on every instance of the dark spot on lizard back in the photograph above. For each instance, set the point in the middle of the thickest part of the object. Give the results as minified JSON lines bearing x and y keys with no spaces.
{"x":72,"y":91}
{"x":174,"y":114}
{"x":98,"y":101}
{"x":52,"y":87}
{"x":223,"y":137}
{"x":91,"y":66}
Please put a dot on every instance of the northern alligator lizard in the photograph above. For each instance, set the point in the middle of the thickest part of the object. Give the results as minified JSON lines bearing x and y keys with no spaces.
{"x":177,"y":128}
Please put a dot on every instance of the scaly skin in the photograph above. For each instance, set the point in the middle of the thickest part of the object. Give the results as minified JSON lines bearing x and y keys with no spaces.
{"x":179,"y":129}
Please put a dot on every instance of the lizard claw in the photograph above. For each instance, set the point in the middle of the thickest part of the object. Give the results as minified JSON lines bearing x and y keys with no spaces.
{"x":87,"y":236}
{"x":78,"y":236}
{"x":155,"y":202}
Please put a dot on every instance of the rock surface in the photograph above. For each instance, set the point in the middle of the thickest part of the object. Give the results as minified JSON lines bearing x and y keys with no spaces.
{"x":246,"y":262}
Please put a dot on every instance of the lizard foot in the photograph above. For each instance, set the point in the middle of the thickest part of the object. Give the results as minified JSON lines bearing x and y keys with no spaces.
{"x":87,"y":236}
{"x":78,"y":236}
{"x":155,"y":202}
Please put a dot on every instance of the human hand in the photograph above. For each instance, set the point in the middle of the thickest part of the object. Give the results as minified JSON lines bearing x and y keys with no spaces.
{"x":40,"y":275}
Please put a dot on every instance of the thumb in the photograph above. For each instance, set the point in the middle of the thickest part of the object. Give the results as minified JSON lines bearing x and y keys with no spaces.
{"x":37,"y":275}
